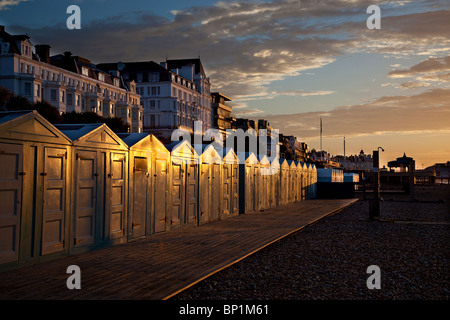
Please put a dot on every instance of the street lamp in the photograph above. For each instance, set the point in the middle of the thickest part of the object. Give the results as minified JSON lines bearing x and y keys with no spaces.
{"x":374,"y":209}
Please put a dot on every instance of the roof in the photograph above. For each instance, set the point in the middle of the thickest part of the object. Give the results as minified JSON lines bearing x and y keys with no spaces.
{"x":221,"y":95}
{"x":402,"y":161}
{"x":76,"y":131}
{"x":131,"y":139}
{"x":174,"y":64}
{"x":9,"y":38}
{"x":132,"y":68}
{"x":6,"y":116}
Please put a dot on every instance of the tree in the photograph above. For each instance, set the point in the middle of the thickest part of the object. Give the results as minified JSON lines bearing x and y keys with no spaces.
{"x":116,"y":124}
{"x":17,"y":102}
{"x":48,"y":111}
{"x":5,"y":95}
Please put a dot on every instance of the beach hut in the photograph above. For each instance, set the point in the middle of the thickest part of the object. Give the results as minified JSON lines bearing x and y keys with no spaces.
{"x":284,"y":182}
{"x":264,"y":182}
{"x":292,"y":181}
{"x":248,"y":163}
{"x":209,"y":182}
{"x":34,"y":189}
{"x":297,"y":182}
{"x":99,"y":185}
{"x":183,"y":184}
{"x":303,"y":178}
{"x":146,"y":184}
{"x":314,"y":181}
{"x":230,"y":190}
{"x":274,"y":183}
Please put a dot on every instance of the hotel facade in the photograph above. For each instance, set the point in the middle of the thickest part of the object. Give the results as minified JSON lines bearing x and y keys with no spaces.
{"x":70,"y":83}
{"x":175,"y":94}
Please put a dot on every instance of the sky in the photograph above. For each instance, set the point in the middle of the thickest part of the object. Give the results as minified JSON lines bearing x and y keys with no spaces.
{"x":290,"y":62}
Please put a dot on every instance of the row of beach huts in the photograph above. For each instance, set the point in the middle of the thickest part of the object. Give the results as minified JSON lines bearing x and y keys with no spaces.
{"x":71,"y":188}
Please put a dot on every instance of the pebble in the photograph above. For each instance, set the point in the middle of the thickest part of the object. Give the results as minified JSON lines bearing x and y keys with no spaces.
{"x":329,"y":259}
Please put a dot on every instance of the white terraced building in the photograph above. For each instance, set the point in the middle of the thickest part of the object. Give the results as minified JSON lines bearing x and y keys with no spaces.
{"x":175,"y":93}
{"x":70,"y":83}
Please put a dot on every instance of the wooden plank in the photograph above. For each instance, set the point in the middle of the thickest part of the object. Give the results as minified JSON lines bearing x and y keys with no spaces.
{"x":159,"y":266}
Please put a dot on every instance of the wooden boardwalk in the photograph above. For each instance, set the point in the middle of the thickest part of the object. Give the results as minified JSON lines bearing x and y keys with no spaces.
{"x":162,"y":265}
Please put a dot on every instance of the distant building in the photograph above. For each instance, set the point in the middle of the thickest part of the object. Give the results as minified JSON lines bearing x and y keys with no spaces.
{"x":440,"y":172}
{"x":173,"y":94}
{"x":292,"y":149}
{"x":355,"y":163}
{"x":70,"y":83}
{"x":222,"y":119}
{"x":192,"y":70}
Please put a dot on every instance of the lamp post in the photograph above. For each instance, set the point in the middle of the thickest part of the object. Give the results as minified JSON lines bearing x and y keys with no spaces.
{"x":374,"y":210}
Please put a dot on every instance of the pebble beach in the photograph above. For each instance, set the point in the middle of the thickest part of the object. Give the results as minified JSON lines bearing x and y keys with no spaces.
{"x":328,"y":260}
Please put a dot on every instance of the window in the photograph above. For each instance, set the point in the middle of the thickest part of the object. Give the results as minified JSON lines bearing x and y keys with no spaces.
{"x":159,"y":91}
{"x":152,"y":121}
{"x":69,"y":99}
{"x":61,"y":95}
{"x":153,"y":91}
{"x":85,"y":71}
{"x":78,"y":100}
{"x":92,"y":106}
{"x":53,"y":94}
{"x":101,"y":77}
{"x":116,"y":82}
{"x":152,"y":104}
{"x":27,"y":89}
{"x":37,"y":88}
{"x":153,"y":76}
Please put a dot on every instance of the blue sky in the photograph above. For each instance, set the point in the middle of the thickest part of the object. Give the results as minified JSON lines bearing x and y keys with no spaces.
{"x":288,"y":61}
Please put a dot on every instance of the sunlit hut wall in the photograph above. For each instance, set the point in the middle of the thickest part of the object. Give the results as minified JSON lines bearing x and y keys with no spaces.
{"x":99,"y":185}
{"x":183,"y":184}
{"x":35,"y":186}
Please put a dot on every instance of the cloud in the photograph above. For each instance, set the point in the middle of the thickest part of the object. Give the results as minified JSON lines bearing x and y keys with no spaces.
{"x":426,"y":111}
{"x":247,"y":46}
{"x":304,"y":93}
{"x":430,"y":65}
{"x":6,"y":4}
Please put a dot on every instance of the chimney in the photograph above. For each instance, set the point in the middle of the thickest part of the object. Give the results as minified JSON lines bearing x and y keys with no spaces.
{"x":43,"y":51}
{"x":2,"y":28}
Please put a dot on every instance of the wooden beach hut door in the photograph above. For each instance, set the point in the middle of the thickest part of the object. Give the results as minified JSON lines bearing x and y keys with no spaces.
{"x":191,"y":193}
{"x":160,"y":195}
{"x":86,"y":200}
{"x":204,"y":195}
{"x":117,"y":195}
{"x":54,"y":178}
{"x":215,"y":191}
{"x":235,"y":189}
{"x":227,"y":178}
{"x":178,"y":193}
{"x":249,"y":188}
{"x":11,"y":170}
{"x":140,"y":197}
